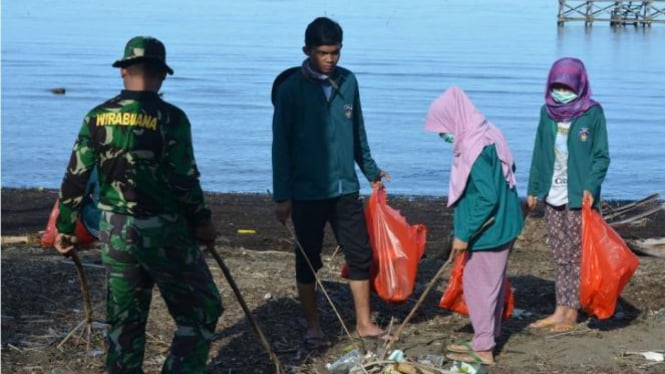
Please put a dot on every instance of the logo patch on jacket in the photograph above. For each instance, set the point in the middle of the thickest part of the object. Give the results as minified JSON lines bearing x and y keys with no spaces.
{"x":348,"y":111}
{"x":584,"y":134}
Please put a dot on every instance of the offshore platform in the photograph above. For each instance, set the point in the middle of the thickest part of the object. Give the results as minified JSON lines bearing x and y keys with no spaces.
{"x":617,"y":13}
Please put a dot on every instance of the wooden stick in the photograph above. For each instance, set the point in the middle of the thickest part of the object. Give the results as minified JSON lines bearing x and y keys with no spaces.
{"x":71,"y":333}
{"x":429,"y":287}
{"x":323,"y":289}
{"x":84,"y":264}
{"x":86,"y":302}
{"x":255,"y":326}
{"x":422,"y":297}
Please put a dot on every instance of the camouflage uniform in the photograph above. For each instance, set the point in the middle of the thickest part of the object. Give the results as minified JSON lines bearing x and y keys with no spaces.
{"x":151,"y":201}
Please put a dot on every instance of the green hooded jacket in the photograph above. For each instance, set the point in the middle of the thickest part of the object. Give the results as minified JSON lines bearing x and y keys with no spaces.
{"x":317,"y":142}
{"x":588,"y":156}
{"x":487,"y":196}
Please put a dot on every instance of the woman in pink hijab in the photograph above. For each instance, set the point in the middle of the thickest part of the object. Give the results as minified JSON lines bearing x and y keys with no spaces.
{"x":487,"y":214}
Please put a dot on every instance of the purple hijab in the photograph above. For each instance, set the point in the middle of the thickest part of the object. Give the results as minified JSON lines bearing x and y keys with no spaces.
{"x":570,"y":72}
{"x":453,"y":112}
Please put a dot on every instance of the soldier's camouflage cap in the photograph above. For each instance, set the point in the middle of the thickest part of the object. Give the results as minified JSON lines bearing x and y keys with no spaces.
{"x":141,"y":49}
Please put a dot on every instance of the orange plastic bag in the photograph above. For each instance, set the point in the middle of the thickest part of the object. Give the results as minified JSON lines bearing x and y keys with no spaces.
{"x":396,"y":249}
{"x":50,"y":232}
{"x":453,"y":298}
{"x":607,"y":265}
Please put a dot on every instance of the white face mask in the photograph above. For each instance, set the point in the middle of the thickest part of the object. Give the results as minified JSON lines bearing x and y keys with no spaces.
{"x":447,"y":137}
{"x":563,"y":97}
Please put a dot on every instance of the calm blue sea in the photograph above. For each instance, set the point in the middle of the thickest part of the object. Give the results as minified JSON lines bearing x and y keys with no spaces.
{"x":405,"y":53}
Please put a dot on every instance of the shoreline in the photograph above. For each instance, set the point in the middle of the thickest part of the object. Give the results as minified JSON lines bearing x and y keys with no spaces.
{"x":407,"y":197}
{"x":246,"y":220}
{"x":262,"y":264}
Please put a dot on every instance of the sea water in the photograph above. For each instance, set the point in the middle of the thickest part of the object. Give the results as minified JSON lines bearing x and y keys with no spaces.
{"x":405,"y":53}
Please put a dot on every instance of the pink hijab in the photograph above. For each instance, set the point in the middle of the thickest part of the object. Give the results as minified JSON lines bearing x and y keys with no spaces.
{"x":454,"y":113}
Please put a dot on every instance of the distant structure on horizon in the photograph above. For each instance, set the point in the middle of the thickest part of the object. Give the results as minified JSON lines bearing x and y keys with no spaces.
{"x":617,"y":13}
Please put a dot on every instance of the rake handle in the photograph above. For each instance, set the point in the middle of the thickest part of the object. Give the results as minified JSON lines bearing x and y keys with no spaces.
{"x":248,"y":314}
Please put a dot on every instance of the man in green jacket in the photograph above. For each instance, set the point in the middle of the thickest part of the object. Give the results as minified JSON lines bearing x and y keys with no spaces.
{"x":318,"y":137}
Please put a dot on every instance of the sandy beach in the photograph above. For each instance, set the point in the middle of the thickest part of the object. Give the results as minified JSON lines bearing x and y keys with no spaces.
{"x":42,"y":303}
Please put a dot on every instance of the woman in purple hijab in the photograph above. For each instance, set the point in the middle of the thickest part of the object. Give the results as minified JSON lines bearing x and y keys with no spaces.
{"x":569,"y":163}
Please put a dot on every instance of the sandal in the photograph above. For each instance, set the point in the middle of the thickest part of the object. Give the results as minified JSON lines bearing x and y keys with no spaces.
{"x":563,"y":327}
{"x":461,"y":347}
{"x":314,"y":343}
{"x":469,"y":357}
{"x":542,"y":324}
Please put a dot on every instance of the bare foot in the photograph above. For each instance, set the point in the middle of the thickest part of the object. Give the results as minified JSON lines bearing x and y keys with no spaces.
{"x":568,"y":322}
{"x":373,"y":332}
{"x":553,"y":319}
{"x":369,"y":330}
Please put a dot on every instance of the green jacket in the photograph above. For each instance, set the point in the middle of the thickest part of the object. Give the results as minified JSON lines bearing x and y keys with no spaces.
{"x":317,"y":142}
{"x":487,"y":195}
{"x":588,"y":156}
{"x":142,"y":149}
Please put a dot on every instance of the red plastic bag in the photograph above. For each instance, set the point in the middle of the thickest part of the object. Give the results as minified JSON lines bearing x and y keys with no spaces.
{"x":607,"y":265}
{"x":453,"y":297}
{"x":50,"y":232}
{"x":396,"y":249}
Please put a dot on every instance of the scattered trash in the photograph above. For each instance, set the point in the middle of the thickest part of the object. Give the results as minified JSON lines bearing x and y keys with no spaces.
{"x":397,"y":356}
{"x":466,"y":368}
{"x":246,"y":231}
{"x":345,"y":363}
{"x":649,"y":355}
{"x":434,"y":360}
{"x":96,"y":352}
{"x":521,"y":314}
{"x":267,"y":296}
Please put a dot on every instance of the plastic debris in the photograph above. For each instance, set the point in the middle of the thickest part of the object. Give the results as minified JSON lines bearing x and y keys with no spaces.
{"x":521,"y":313}
{"x":433,"y":360}
{"x":654,"y":356}
{"x":466,"y":368}
{"x":649,"y":355}
{"x":397,"y":355}
{"x":345,"y":363}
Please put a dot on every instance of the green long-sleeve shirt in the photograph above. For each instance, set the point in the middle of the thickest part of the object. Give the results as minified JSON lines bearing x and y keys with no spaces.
{"x":588,"y":156}
{"x":317,"y":141}
{"x":487,"y":194}
{"x":142,"y":149}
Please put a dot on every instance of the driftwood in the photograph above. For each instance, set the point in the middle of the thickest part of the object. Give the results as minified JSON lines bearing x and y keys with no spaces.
{"x":632,"y":213}
{"x":23,"y":239}
{"x":636,"y":217}
{"x":650,"y":247}
{"x":610,"y":213}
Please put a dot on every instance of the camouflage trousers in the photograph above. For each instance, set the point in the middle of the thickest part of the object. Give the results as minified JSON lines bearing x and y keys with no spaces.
{"x":139,"y":253}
